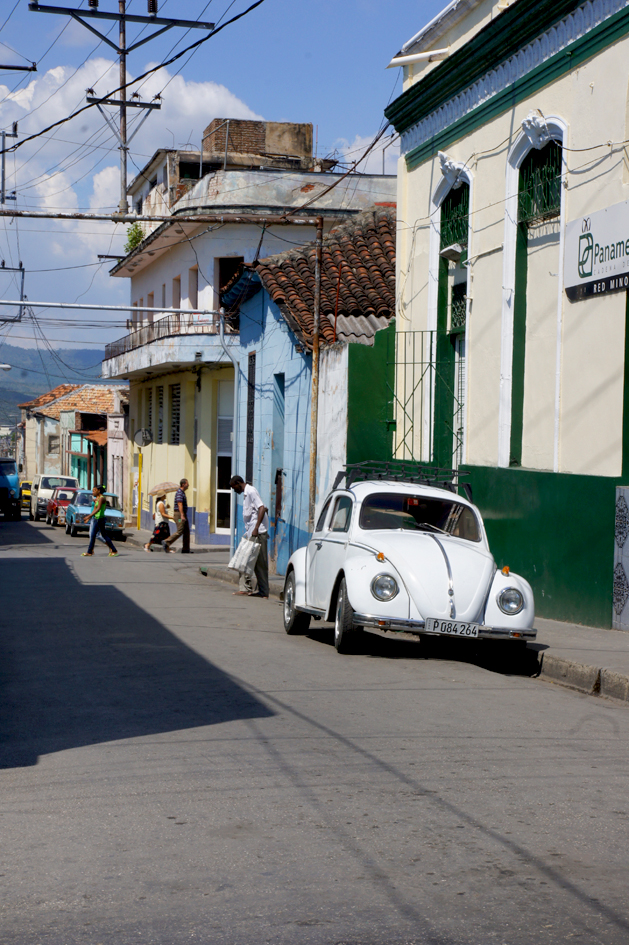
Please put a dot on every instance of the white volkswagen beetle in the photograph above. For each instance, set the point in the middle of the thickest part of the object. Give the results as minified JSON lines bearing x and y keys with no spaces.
{"x":399,"y":556}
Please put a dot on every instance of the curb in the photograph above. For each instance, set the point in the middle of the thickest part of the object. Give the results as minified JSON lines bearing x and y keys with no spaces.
{"x":593,"y":680}
{"x":139,"y":543}
{"x":221,"y":573}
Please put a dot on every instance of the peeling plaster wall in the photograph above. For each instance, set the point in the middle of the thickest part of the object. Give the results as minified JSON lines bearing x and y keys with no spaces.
{"x":332,"y":418}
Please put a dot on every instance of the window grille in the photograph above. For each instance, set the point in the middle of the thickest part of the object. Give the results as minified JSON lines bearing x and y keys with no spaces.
{"x":160,"y":414}
{"x":539,"y":196}
{"x":455,"y":211}
{"x":53,"y":444}
{"x":175,"y":414}
{"x":457,"y":310}
{"x":149,"y":409}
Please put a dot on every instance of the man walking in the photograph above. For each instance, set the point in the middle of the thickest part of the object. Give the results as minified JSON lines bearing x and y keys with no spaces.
{"x":256,"y":519}
{"x":97,"y":524}
{"x":181,"y":520}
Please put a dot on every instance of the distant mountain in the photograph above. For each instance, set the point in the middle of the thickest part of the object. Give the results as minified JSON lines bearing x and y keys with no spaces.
{"x":36,"y":371}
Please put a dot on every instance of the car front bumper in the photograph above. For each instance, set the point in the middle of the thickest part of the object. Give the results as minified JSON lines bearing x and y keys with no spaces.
{"x":418,"y":627}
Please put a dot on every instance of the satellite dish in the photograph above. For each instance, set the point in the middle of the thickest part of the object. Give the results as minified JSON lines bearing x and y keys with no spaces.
{"x":143,"y":438}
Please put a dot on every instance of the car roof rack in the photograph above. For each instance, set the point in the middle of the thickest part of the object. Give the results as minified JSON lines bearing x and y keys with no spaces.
{"x":401,"y":471}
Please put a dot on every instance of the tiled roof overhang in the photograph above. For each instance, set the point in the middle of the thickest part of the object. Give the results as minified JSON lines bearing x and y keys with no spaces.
{"x":358,"y":262}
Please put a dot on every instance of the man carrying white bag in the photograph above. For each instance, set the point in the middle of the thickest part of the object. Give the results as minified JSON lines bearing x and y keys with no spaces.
{"x":251,"y":557}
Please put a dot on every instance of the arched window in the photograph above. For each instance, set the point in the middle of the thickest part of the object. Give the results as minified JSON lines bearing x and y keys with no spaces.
{"x":539,"y":203}
{"x":450,"y":363}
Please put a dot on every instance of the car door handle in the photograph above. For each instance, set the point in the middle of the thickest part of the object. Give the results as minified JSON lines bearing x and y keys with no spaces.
{"x":319,"y":545}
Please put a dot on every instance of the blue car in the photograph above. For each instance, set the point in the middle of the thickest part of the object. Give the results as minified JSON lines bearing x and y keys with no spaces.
{"x":82,"y":505}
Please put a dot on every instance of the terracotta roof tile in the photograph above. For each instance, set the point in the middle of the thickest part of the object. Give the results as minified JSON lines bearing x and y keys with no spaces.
{"x":88,"y":398}
{"x":364,"y":250}
{"x":97,"y":436}
{"x":53,"y":394}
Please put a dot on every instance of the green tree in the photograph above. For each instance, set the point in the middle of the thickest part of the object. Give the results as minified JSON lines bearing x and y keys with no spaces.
{"x":135,"y":235}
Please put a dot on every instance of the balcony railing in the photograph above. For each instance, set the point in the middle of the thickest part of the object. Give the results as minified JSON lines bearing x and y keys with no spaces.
{"x":164,"y":327}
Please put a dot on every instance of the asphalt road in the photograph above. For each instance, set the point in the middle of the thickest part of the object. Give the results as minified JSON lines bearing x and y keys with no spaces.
{"x":175,"y":769}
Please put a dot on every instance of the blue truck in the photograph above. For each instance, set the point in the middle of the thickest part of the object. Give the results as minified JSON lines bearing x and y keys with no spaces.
{"x":10,"y":498}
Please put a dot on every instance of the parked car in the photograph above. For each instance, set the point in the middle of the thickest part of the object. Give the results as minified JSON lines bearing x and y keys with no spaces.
{"x":399,"y":556}
{"x":25,"y":491}
{"x":57,"y":505}
{"x":10,"y":504}
{"x":81,"y":506}
{"x":42,"y":488}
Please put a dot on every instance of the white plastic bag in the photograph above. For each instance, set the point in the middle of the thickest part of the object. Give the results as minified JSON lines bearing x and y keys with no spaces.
{"x":245,"y":556}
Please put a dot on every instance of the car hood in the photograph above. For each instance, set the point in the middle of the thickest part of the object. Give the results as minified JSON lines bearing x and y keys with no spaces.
{"x":420,"y":559}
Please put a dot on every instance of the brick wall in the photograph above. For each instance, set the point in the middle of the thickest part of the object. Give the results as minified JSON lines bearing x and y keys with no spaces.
{"x":245,"y":137}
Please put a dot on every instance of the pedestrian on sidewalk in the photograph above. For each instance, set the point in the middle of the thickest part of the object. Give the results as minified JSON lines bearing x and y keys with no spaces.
{"x":161,"y":517}
{"x":256,"y":519}
{"x":181,"y":520}
{"x":97,"y":524}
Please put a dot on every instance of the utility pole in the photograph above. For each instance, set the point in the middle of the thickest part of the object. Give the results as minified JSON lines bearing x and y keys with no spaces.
{"x":20,"y":270}
{"x":32,"y":68}
{"x":122,"y":50}
{"x":314,"y":395}
{"x":3,"y":173}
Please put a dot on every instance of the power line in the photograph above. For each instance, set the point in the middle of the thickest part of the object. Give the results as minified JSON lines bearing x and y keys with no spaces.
{"x":139,"y":78}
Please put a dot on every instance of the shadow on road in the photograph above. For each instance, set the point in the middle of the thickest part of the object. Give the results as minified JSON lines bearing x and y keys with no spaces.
{"x":23,"y":533}
{"x":81,"y":664}
{"x":510,"y":658}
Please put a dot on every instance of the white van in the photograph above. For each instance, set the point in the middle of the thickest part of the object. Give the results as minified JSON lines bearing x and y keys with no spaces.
{"x":42,"y":489}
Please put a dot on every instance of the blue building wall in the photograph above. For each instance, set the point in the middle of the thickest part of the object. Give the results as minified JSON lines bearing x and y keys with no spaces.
{"x":281,"y":434}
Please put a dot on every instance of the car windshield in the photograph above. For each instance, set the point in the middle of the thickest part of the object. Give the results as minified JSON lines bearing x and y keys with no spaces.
{"x":64,"y":494}
{"x":383,"y":510}
{"x":7,"y":467}
{"x":53,"y":482}
{"x":84,"y":498}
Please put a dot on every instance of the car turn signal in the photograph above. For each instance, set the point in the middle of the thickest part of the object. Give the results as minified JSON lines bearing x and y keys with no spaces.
{"x":505,"y":570}
{"x":380,"y":556}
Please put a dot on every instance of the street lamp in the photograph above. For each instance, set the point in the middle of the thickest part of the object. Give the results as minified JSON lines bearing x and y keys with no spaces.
{"x":5,"y":367}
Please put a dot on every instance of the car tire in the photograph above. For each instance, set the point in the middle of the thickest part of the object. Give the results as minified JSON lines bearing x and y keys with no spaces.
{"x":345,"y":635}
{"x":294,"y":621}
{"x":73,"y":531}
{"x":31,"y":517}
{"x":36,"y":516}
{"x":48,"y":522}
{"x":67,"y":528}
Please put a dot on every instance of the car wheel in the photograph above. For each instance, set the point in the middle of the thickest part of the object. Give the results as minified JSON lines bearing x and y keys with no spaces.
{"x":294,"y":621}
{"x":67,"y":528}
{"x":48,"y":522}
{"x":74,"y":531}
{"x":30,"y":514}
{"x":344,"y":633}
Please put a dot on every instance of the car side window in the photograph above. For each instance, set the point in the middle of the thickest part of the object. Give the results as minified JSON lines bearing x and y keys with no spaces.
{"x":321,"y":519}
{"x":342,"y":515}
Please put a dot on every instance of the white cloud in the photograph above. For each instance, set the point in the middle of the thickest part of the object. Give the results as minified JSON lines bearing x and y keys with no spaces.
{"x":106,"y":189}
{"x":75,"y":167}
{"x":350,"y":152}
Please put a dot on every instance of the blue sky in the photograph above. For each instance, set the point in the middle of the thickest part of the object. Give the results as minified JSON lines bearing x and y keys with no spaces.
{"x":289,"y":60}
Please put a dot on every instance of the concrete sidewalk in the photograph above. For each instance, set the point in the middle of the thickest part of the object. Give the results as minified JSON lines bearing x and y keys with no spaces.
{"x":139,"y":537}
{"x":585,"y":658}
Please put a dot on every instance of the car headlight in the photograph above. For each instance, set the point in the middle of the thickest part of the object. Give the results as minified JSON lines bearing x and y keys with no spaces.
{"x":384,"y":587}
{"x":12,"y":493}
{"x":510,"y":601}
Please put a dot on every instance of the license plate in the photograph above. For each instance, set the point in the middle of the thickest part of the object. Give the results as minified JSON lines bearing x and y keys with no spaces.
{"x":452,"y":628}
{"x":61,"y":517}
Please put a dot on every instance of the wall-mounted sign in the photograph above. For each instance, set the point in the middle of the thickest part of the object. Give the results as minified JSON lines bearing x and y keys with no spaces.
{"x":596,"y":259}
